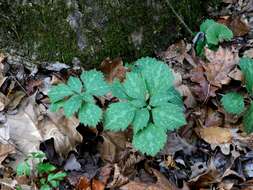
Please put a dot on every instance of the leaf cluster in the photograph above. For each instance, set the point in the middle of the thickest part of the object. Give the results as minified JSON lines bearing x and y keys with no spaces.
{"x":234,"y":102}
{"x":77,"y":96}
{"x":147,"y":101}
{"x":43,"y":171}
{"x":214,"y":33}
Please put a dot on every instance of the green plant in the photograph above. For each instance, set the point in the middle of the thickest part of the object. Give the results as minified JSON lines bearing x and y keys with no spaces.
{"x":77,"y":96}
{"x":246,"y":66}
{"x":44,"y":173}
{"x":149,"y":102}
{"x":233,"y":103}
{"x":214,"y":34}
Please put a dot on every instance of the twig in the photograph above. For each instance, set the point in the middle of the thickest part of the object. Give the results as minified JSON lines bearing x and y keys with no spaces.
{"x":19,"y":84}
{"x":179,"y":17}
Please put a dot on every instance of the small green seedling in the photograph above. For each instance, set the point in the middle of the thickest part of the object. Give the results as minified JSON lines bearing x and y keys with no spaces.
{"x":43,"y":173}
{"x":214,"y":33}
{"x":77,"y":96}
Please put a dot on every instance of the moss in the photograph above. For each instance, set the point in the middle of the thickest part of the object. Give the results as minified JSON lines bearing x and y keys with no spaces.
{"x":39,"y":29}
{"x":108,"y":27}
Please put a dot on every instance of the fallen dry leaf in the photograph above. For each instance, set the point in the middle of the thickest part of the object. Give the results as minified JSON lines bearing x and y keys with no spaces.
{"x":162,"y":183}
{"x":105,"y":173}
{"x":15,"y":99}
{"x":83,"y":184}
{"x":113,"y":69}
{"x":203,"y":89}
{"x":210,"y":76}
{"x":97,"y":185}
{"x":248,"y":53}
{"x":238,"y":26}
{"x":236,"y":74}
{"x":114,"y":142}
{"x":33,"y":123}
{"x":5,"y":150}
{"x":215,"y":135}
{"x":189,"y":99}
{"x":176,"y":52}
{"x":213,"y":118}
{"x":221,"y":63}
{"x":118,"y":179}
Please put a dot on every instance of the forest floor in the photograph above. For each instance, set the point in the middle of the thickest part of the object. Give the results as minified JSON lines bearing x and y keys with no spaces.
{"x":212,"y":151}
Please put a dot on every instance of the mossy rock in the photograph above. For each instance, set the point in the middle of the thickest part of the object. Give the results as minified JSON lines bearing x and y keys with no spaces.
{"x":100,"y":29}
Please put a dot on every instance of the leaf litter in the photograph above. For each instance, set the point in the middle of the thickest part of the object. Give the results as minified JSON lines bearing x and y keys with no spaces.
{"x":211,"y":152}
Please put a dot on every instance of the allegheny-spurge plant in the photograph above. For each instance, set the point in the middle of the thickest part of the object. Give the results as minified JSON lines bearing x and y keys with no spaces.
{"x":233,"y":102}
{"x":77,"y":96}
{"x":42,"y":173}
{"x":211,"y":34}
{"x":148,"y":102}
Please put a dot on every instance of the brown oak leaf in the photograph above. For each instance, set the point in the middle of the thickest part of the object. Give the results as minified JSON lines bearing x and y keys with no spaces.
{"x":211,"y":75}
{"x":221,"y":63}
{"x":113,"y":69}
{"x":203,"y":90}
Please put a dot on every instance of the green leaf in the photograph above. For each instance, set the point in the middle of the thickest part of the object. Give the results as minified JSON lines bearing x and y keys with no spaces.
{"x":141,"y":119}
{"x":134,"y":86}
{"x":54,"y":107}
{"x":118,"y":116}
{"x":233,"y":103}
{"x":118,"y":90}
{"x":45,"y":187}
{"x":94,"y":83}
{"x":175,"y":97}
{"x":43,"y":181}
{"x":217,"y":33}
{"x":72,"y":105}
{"x":75,"y":84}
{"x":59,"y":92}
{"x":38,"y":154}
{"x":54,"y":183}
{"x":248,"y":120}
{"x":157,"y":75}
{"x":90,"y":114}
{"x":200,"y":47}
{"x":206,"y":24}
{"x":168,"y":116}
{"x":138,"y":103}
{"x":45,"y":167}
{"x":172,"y":95}
{"x":87,"y":97}
{"x":246,"y":65}
{"x":150,"y":140}
{"x":57,"y":176}
{"x":23,"y":168}
{"x":18,"y":187}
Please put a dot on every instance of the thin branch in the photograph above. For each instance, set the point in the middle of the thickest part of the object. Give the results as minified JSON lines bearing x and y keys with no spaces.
{"x":179,"y":17}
